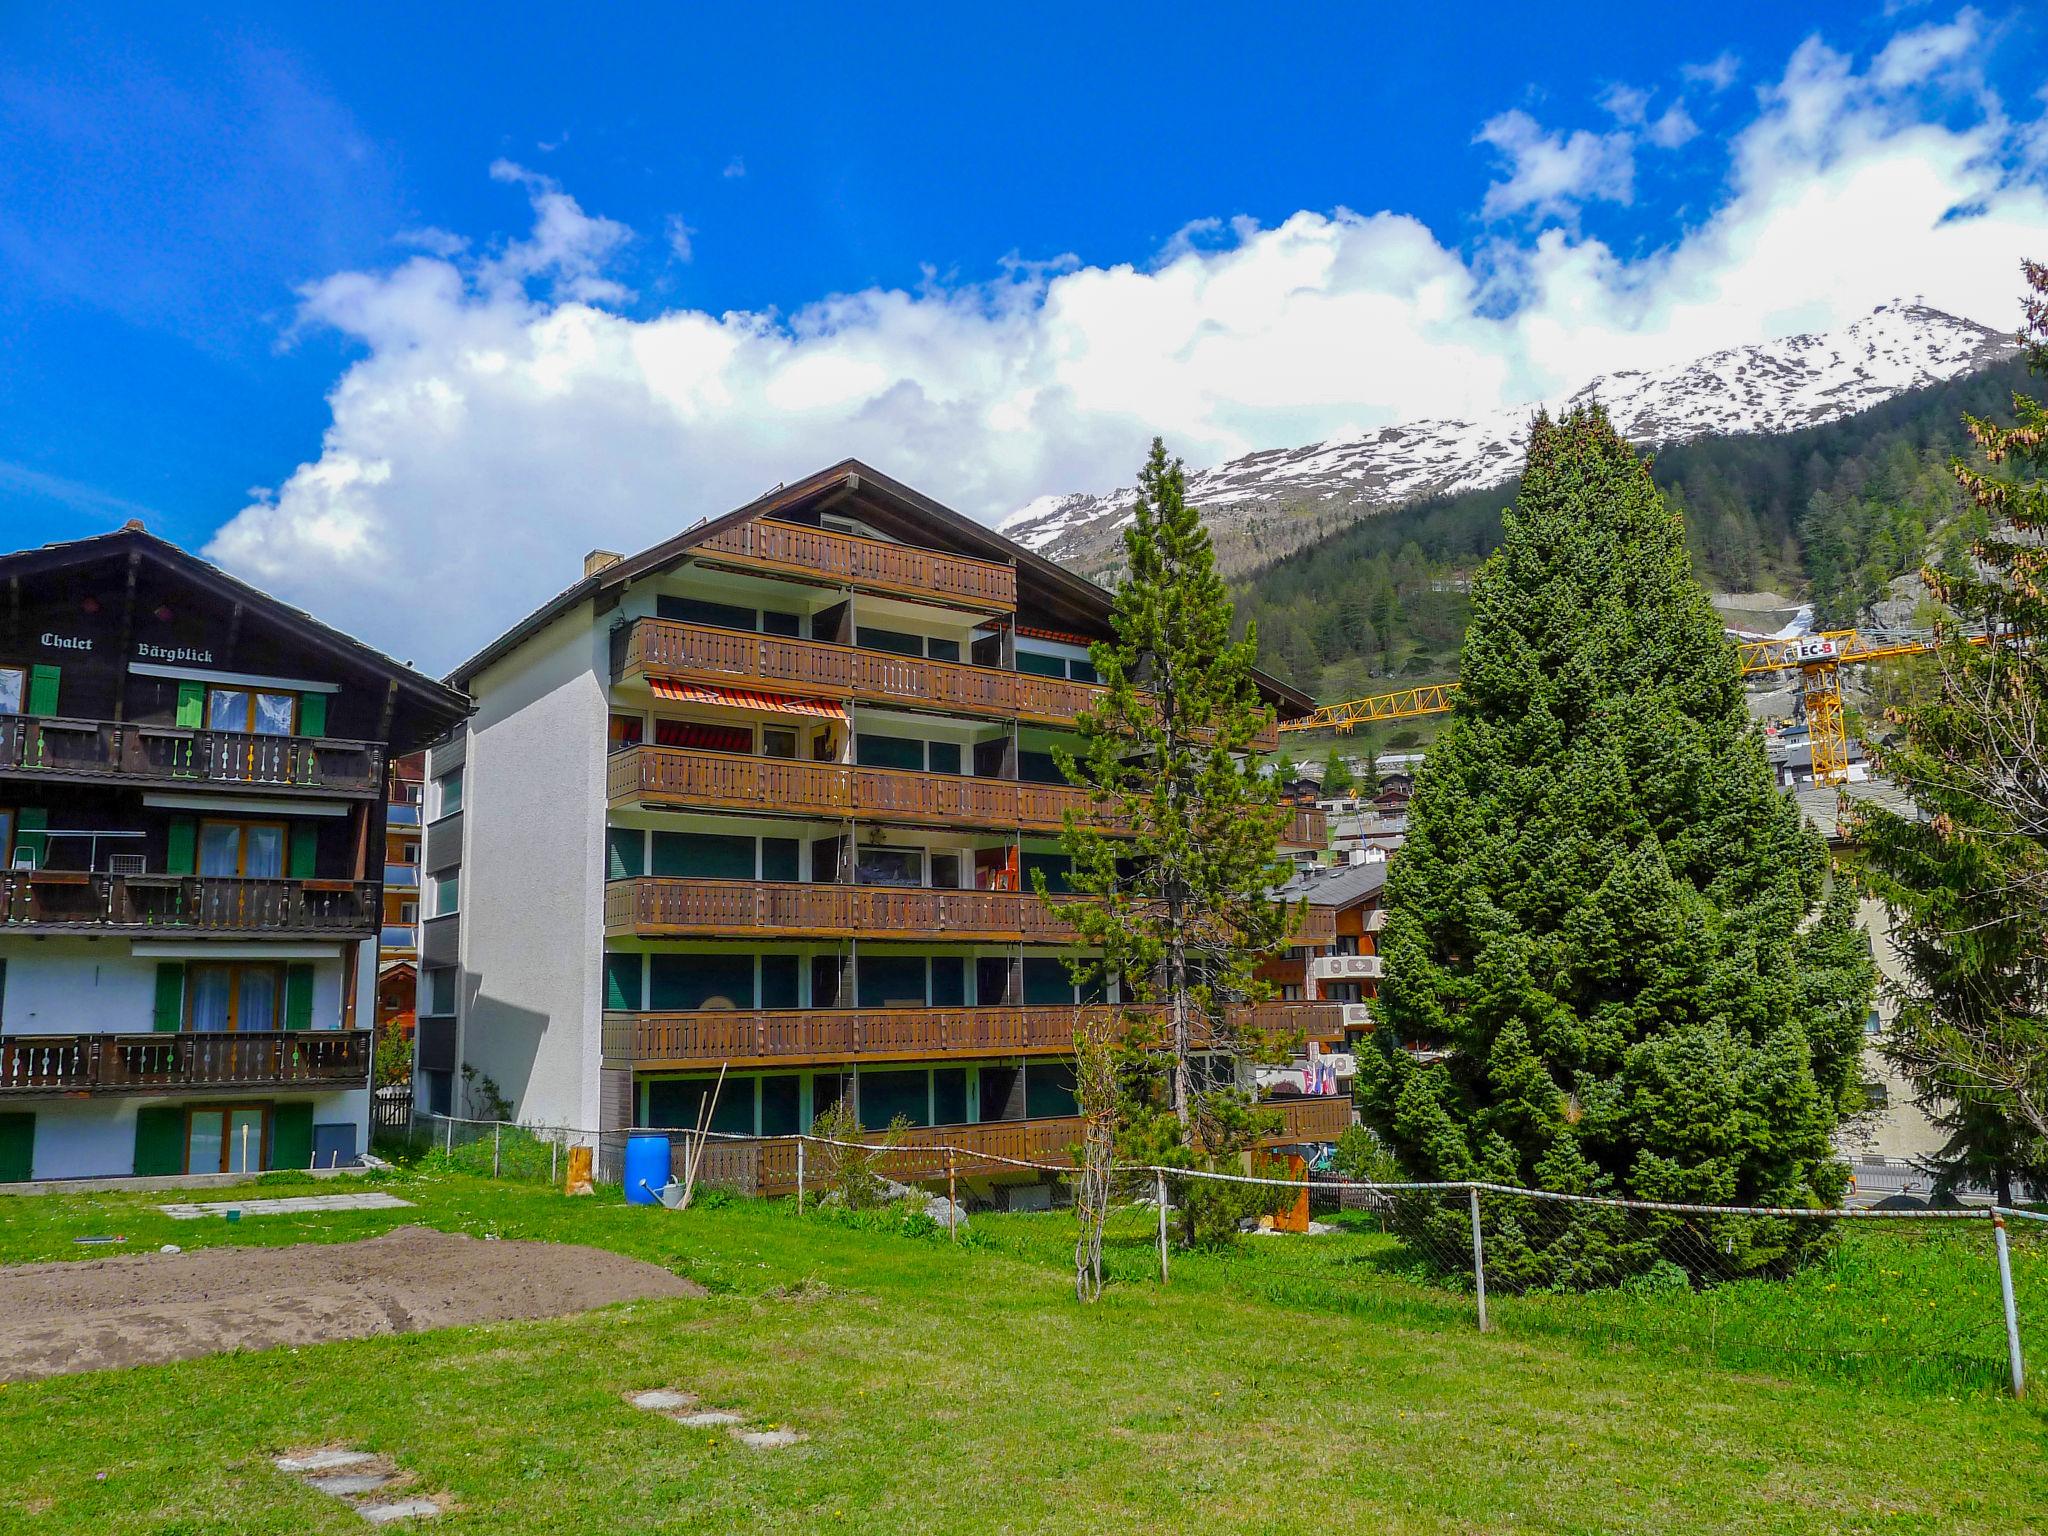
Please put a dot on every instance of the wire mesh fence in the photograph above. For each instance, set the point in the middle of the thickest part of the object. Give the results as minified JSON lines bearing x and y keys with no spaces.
{"x":1944,"y":1300}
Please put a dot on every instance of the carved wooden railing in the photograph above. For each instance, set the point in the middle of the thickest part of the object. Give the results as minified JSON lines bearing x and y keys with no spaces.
{"x":768,"y":1166}
{"x":725,"y":781}
{"x":667,"y":647}
{"x":136,"y":1063}
{"x":657,"y":905}
{"x":63,"y":901}
{"x":169,"y":754}
{"x":874,"y":563}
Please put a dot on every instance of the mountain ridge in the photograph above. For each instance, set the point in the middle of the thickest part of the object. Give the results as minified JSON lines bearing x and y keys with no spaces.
{"x":1266,"y":504}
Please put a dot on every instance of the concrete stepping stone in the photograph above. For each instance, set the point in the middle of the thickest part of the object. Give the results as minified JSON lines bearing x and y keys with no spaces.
{"x":767,"y":1439}
{"x":663,"y":1400}
{"x":400,"y":1509}
{"x":349,"y":1485}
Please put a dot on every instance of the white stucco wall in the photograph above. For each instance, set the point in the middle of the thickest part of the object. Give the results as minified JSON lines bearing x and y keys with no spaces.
{"x":95,"y":1138}
{"x":108,"y":986}
{"x":533,"y":874}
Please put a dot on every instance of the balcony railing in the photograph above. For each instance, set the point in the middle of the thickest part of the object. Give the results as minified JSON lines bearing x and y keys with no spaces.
{"x":1309,"y":829}
{"x":874,"y":564}
{"x":768,"y":1166}
{"x":45,"y":746}
{"x":793,"y":1037}
{"x":57,"y":901}
{"x":668,"y":648}
{"x":656,"y":906}
{"x":677,"y":776}
{"x":141,"y":1063}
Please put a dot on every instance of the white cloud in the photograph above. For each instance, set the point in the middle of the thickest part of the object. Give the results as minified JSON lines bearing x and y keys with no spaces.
{"x":1673,"y":129}
{"x":503,"y":417}
{"x":1625,"y":103}
{"x":679,"y":235}
{"x":1717,"y":74}
{"x":1550,"y":174}
{"x":735,"y":168}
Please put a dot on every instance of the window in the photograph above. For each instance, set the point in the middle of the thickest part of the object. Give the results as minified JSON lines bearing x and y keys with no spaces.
{"x":247,"y":850}
{"x":696,"y":610}
{"x":891,"y":981}
{"x":448,"y":792}
{"x":886,"y":1095}
{"x":781,"y":1102}
{"x":695,"y":981}
{"x":440,"y":991}
{"x":228,"y":1140}
{"x":1873,"y":1023}
{"x":409,"y":854}
{"x":942,"y":650}
{"x":1040,"y":665}
{"x":873,"y":751}
{"x":944,"y":755}
{"x":408,"y":913}
{"x":13,"y":689}
{"x":889,"y":866}
{"x":773,"y":623}
{"x":704,"y":855}
{"x":261,"y":711}
{"x":626,"y":731}
{"x":236,"y":996}
{"x":776,"y":742}
{"x":446,"y":895}
{"x":892,"y":640}
{"x":675,"y":1101}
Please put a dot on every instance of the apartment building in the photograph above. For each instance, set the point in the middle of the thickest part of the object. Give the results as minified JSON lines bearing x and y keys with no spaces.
{"x":768,"y":797}
{"x":191,"y":802}
{"x":398,"y":952}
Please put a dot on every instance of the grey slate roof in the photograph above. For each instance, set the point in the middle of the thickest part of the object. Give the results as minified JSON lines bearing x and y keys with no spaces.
{"x":1342,"y":887}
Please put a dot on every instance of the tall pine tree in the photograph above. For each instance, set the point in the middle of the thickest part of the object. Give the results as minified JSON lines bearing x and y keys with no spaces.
{"x":1181,"y":912}
{"x":1616,"y":928}
{"x":1966,"y":874}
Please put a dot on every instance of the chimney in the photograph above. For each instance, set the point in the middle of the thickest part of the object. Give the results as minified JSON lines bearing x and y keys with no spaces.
{"x":600,"y":560}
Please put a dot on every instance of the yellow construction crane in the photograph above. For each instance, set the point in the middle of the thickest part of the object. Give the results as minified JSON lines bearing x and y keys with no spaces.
{"x":1816,"y":657}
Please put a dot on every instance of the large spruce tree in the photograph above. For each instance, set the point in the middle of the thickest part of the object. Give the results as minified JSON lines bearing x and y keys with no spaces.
{"x":1617,"y":931}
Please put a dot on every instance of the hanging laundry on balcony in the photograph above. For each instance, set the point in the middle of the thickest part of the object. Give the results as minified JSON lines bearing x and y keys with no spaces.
{"x":743,"y":698}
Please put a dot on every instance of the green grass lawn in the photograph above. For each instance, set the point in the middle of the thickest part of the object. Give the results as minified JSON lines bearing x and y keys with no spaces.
{"x":1290,"y":1385}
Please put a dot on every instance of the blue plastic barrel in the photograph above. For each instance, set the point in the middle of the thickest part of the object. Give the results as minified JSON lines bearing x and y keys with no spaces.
{"x":646,"y":1169}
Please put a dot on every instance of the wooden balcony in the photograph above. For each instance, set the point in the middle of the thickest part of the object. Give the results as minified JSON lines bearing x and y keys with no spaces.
{"x":767,"y":1167}
{"x":745,"y":1038}
{"x":659,"y":906}
{"x":676,"y":776}
{"x":198,"y":906}
{"x":699,"y":653}
{"x":870,"y":565}
{"x":154,"y":1063}
{"x":45,"y":747}
{"x":1309,"y":829}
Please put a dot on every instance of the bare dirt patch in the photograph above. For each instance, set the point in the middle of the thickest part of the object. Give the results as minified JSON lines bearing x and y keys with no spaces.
{"x":143,"y":1309}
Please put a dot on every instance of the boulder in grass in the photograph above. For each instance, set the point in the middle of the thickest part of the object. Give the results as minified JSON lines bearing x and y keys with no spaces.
{"x":946,"y":1213}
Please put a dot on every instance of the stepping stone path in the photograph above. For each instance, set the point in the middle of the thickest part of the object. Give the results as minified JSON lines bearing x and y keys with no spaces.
{"x":297,"y":1205}
{"x":360,"y":1479}
{"x":682,"y":1408}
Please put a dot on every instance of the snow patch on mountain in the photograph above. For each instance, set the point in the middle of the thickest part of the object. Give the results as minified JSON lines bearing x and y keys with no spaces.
{"x":1266,"y":503}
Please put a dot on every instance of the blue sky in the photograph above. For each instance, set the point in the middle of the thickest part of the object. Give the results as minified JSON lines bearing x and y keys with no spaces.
{"x":327,"y":291}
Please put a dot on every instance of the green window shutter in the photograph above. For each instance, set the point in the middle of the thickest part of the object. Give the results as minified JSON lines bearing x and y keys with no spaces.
{"x":622,"y":981}
{"x":29,"y":822}
{"x":42,"y":690}
{"x":304,"y":850}
{"x":181,"y":847}
{"x":312,"y":714}
{"x":159,"y":1140}
{"x":170,"y":996}
{"x":291,"y":1135}
{"x":17,"y":1148}
{"x":625,"y":849}
{"x":192,"y":705}
{"x":298,"y":996}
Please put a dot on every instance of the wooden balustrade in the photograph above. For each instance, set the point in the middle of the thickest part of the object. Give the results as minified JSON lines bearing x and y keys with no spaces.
{"x":1310,"y":828}
{"x":796,"y":1037}
{"x":669,"y":648}
{"x":681,"y":777}
{"x":136,"y":1063}
{"x":873,"y":564}
{"x":659,"y":906}
{"x":60,"y":901}
{"x":767,"y":1167}
{"x":46,"y":746}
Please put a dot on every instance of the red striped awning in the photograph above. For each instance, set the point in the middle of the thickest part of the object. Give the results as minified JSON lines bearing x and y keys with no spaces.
{"x":1054,"y":634}
{"x":744,"y":698}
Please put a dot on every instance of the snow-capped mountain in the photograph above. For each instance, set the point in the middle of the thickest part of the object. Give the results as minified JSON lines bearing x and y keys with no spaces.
{"x":1267,"y":503}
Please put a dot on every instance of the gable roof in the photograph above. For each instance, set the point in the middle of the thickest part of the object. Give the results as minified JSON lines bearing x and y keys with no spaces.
{"x":440,"y":702}
{"x":1345,"y":886}
{"x":886,"y":504}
